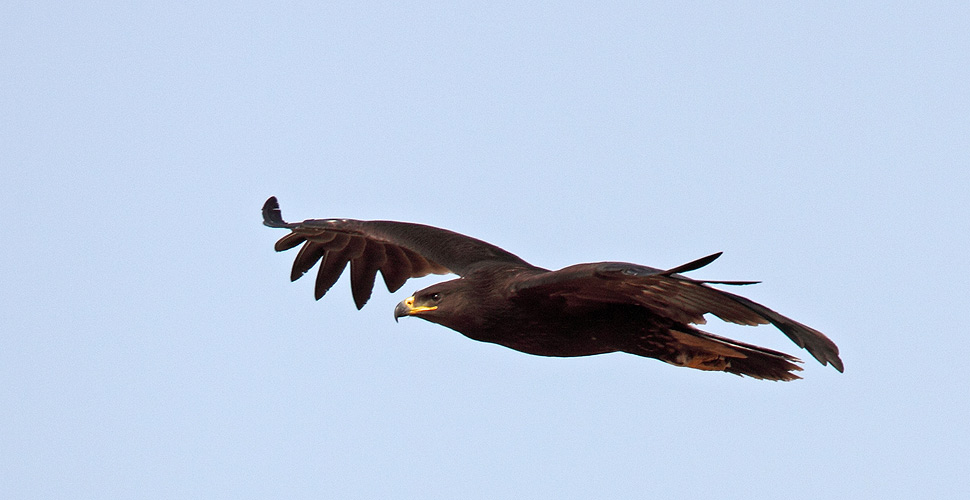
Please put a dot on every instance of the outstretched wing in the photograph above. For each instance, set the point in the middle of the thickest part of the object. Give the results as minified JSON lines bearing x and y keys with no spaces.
{"x":668,"y":294}
{"x":399,"y":250}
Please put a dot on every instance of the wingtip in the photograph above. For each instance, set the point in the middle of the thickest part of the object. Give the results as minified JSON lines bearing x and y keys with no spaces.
{"x":272,"y":216}
{"x":836,"y":363}
{"x":822,"y":348}
{"x":817,"y":344}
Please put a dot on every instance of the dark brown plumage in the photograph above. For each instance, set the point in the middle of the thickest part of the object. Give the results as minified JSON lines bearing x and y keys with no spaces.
{"x":576,"y":311}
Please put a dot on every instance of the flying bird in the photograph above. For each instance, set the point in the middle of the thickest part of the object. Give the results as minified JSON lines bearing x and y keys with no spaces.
{"x":579,"y":310}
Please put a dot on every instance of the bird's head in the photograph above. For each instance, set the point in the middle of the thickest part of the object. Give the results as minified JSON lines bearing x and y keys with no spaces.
{"x":439,"y":303}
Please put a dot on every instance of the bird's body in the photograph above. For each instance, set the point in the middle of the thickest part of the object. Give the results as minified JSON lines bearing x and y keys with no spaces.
{"x":580,"y":310}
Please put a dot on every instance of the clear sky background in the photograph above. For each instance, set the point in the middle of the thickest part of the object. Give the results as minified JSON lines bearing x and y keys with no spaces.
{"x":151,"y":345}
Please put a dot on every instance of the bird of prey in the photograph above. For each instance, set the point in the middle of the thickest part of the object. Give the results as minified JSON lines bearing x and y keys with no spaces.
{"x":579,"y":310}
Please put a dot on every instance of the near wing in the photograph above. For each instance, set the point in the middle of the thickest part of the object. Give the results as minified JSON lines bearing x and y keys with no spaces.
{"x":399,"y":250}
{"x":669,"y":295}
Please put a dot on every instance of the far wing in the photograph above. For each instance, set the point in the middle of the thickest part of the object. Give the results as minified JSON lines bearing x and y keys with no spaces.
{"x":399,"y":250}
{"x":669,"y":295}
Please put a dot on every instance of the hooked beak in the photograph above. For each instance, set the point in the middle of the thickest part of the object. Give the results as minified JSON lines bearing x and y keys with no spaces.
{"x":407,"y":308}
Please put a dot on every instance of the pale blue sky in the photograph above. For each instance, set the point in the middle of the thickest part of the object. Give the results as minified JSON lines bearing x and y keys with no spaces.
{"x":151,"y":345}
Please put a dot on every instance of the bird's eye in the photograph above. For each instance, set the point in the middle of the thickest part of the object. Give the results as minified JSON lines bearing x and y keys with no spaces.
{"x":435,"y":297}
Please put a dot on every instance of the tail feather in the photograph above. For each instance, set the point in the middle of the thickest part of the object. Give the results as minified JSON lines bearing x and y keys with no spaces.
{"x":700,"y":350}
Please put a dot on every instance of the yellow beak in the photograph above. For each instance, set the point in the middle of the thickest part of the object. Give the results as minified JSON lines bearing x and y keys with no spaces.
{"x":407,"y":308}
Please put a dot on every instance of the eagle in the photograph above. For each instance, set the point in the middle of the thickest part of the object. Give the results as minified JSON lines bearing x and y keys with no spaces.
{"x":580,"y":310}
